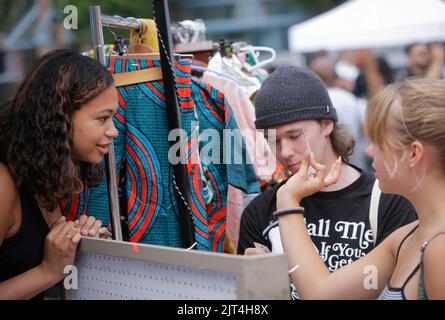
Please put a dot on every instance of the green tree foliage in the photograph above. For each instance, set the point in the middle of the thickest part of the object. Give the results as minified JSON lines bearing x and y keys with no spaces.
{"x":11,"y":11}
{"x":123,"y":8}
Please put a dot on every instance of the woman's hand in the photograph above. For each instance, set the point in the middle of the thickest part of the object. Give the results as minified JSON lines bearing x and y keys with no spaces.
{"x":301,"y":184}
{"x":90,"y":227}
{"x":60,"y":248}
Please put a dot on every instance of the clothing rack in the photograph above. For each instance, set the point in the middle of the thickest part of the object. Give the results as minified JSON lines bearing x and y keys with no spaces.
{"x":121,"y":23}
{"x":180,"y":180}
{"x":97,"y":37}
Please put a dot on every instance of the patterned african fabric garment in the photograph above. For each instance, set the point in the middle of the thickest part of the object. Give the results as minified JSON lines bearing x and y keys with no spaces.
{"x":145,"y":176}
{"x":225,"y":162}
{"x":77,"y":206}
{"x":144,"y":172}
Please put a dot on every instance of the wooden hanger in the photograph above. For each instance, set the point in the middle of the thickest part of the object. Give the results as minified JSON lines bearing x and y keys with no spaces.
{"x":139,"y":76}
{"x":149,"y":56}
{"x":140,"y":51}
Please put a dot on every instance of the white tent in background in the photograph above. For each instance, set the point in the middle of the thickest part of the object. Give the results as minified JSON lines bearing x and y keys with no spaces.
{"x":371,"y":24}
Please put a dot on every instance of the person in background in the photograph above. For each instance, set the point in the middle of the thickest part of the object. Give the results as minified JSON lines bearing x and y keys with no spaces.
{"x":424,"y":61}
{"x":373,"y":73}
{"x":350,"y":112}
{"x":362,"y":70}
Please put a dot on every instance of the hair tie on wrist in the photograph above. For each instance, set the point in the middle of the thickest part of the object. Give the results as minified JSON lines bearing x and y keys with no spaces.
{"x":283,"y":212}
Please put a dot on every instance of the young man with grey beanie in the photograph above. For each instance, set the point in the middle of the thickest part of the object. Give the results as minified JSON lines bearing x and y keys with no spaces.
{"x":293,"y":105}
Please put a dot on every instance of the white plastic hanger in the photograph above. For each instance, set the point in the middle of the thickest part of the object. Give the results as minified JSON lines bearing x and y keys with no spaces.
{"x":256,"y":52}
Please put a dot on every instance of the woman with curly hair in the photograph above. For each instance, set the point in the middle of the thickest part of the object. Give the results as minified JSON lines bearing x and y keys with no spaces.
{"x":53,"y":136}
{"x":405,"y":124}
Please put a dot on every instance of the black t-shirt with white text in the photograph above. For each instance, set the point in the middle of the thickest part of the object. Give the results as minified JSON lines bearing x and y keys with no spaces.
{"x":337,"y":221}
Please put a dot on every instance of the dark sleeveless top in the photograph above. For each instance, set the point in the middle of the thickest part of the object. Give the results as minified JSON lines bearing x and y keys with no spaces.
{"x":24,"y":250}
{"x":392,"y":293}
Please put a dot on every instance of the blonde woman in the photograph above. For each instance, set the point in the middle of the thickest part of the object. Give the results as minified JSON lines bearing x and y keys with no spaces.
{"x":405,"y":122}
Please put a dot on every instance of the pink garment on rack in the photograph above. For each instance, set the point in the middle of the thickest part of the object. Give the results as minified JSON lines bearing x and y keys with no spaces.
{"x":235,"y":208}
{"x":257,"y":147}
{"x":259,"y":152}
{"x":237,"y":201}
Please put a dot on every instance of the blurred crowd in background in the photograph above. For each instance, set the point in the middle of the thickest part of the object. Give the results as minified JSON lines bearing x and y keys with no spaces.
{"x":31,"y":28}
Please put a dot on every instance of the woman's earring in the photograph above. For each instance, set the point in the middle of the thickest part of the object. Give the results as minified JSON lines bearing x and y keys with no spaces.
{"x":417,"y":186}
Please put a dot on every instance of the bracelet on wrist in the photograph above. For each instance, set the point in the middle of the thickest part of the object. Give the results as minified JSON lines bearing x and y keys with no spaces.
{"x":284,"y":212}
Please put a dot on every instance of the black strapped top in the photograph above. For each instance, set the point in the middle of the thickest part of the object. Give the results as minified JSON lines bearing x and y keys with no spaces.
{"x":24,"y":250}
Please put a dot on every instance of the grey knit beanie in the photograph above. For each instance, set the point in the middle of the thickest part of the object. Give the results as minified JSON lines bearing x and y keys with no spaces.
{"x":292,"y":94}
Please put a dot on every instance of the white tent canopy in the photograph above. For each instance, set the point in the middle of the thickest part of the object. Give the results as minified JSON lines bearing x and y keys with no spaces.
{"x":371,"y":24}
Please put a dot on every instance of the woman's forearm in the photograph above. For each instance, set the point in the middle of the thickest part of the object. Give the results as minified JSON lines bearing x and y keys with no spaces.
{"x":297,"y":244}
{"x":27,"y":285}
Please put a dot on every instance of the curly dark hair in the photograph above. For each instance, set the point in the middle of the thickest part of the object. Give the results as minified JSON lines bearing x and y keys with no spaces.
{"x":36,"y":129}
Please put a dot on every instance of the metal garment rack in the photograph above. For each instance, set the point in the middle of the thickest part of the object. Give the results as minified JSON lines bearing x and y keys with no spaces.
{"x":162,"y":19}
